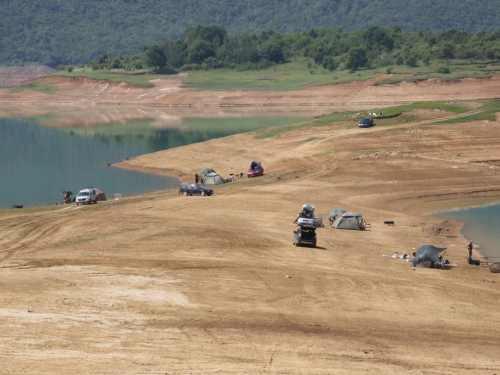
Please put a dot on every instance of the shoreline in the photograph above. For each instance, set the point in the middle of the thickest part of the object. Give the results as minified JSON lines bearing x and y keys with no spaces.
{"x":485,"y":243}
{"x":430,"y":209}
{"x":436,"y":207}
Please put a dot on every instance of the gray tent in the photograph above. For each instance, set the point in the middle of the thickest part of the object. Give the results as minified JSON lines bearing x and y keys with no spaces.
{"x":213,"y":179}
{"x":349,"y":220}
{"x":427,"y":253}
{"x":206,"y":171}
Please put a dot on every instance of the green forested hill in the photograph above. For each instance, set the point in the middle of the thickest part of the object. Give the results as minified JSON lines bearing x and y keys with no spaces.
{"x":75,"y":31}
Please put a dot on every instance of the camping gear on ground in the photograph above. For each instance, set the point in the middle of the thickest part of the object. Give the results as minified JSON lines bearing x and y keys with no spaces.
{"x":494,"y":267}
{"x":67,"y":196}
{"x":307,"y":217}
{"x":213,"y":178}
{"x":100,"y":196}
{"x":428,"y":255}
{"x":349,"y":220}
{"x":337,"y":211}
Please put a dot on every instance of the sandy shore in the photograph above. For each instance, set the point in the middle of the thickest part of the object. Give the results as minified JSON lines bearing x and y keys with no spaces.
{"x":163,"y":283}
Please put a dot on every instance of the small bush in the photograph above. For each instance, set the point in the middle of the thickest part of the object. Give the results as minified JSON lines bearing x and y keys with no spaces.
{"x":412,"y":62}
{"x":443,"y":70}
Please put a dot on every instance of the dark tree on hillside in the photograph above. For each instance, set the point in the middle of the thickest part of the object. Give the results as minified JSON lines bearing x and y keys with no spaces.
{"x":446,"y":51}
{"x":176,"y":52}
{"x":356,"y":58}
{"x":199,"y":51}
{"x":272,"y":52}
{"x":156,"y":57}
{"x":213,"y":34}
{"x":376,"y":37}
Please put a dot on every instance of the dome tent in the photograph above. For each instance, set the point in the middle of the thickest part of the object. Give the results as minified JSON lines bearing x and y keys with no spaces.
{"x":349,"y":220}
{"x":213,"y":178}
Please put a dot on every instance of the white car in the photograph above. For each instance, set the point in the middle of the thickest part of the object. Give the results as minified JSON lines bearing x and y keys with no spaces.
{"x":86,"y":196}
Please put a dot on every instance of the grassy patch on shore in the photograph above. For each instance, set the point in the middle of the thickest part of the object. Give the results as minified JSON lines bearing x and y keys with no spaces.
{"x":36,"y":86}
{"x":396,"y":116}
{"x":488,"y":112}
{"x":291,"y":76}
{"x":303,"y":73}
{"x":457,"y":69}
{"x":116,"y":76}
{"x":296,"y":74}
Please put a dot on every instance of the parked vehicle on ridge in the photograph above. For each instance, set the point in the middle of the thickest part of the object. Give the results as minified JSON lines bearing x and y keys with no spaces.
{"x":256,"y":169}
{"x":366,"y":122}
{"x":194,"y":189}
{"x":86,"y":196}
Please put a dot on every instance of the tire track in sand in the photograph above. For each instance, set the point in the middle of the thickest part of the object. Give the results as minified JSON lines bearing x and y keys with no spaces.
{"x":27,"y":231}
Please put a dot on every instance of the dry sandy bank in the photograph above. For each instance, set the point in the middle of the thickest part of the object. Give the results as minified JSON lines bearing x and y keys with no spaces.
{"x":163,"y":283}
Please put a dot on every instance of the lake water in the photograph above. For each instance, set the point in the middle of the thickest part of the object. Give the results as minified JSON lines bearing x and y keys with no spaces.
{"x":481,"y":226}
{"x":37,"y":163}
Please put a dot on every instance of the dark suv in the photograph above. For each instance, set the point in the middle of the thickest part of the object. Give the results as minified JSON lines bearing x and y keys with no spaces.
{"x":305,"y":235}
{"x":366,"y":122}
{"x":194,"y":189}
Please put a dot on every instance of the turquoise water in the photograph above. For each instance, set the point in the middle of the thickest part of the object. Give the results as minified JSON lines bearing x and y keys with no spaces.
{"x":37,"y":163}
{"x":482,"y":226}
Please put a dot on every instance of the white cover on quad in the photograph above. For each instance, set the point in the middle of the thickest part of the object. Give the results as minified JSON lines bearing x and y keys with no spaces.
{"x":307,"y":217}
{"x":315,"y":221}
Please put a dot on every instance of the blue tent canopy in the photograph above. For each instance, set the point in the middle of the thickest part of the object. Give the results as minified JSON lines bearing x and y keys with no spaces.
{"x":427,"y":253}
{"x":337,"y":211}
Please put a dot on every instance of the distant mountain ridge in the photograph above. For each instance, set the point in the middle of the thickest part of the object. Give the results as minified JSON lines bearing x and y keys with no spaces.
{"x":74,"y":32}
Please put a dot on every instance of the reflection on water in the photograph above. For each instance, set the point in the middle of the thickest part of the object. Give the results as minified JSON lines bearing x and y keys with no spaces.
{"x":481,"y":226}
{"x":36,"y":163}
{"x":188,"y":131}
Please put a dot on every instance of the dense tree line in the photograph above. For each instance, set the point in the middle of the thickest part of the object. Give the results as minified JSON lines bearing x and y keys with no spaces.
{"x":211,"y":47}
{"x":72,"y":32}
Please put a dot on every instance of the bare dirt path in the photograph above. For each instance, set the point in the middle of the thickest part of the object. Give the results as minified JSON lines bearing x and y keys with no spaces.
{"x":166,"y":284}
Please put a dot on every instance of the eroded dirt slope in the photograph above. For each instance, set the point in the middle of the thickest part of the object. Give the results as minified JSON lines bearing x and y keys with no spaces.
{"x":195,"y":285}
{"x":86,"y":102}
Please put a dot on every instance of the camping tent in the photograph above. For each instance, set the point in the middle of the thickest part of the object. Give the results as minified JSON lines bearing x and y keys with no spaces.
{"x":427,"y":254}
{"x":337,"y":211}
{"x":100,"y":196}
{"x":213,"y":178}
{"x":349,"y":220}
{"x":206,"y":171}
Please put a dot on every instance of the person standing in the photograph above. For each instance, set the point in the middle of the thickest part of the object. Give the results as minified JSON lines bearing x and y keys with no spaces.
{"x":196,"y":178}
{"x":470,"y":246}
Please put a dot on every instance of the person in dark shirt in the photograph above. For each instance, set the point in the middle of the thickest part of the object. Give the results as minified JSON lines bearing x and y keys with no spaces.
{"x":470,"y":246}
